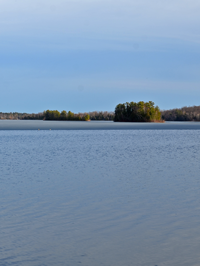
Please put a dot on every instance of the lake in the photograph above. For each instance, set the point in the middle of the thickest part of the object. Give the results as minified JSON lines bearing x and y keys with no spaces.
{"x":94,"y":125}
{"x":100,"y":197}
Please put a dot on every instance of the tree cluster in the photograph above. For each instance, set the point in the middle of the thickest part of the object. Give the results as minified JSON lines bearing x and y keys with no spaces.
{"x":137,"y":112}
{"x":56,"y":115}
{"x":182,"y":114}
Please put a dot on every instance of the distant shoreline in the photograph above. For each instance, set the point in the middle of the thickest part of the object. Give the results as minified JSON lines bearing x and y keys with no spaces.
{"x":183,"y":114}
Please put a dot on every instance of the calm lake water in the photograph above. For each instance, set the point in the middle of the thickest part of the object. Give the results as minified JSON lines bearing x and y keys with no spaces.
{"x":93,"y":198}
{"x":94,"y":125}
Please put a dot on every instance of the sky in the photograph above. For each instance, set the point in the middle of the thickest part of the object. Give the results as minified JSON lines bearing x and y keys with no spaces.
{"x":90,"y":55}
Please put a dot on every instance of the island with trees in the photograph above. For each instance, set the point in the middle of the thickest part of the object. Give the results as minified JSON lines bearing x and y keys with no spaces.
{"x":137,"y":112}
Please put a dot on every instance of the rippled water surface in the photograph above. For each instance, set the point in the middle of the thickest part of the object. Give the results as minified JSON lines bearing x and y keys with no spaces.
{"x":94,"y":198}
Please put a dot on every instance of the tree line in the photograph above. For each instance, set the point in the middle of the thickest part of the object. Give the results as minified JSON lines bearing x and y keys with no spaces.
{"x":64,"y":115}
{"x":182,"y":114}
{"x":137,"y":112}
{"x":126,"y":112}
{"x":56,"y":115}
{"x":20,"y":116}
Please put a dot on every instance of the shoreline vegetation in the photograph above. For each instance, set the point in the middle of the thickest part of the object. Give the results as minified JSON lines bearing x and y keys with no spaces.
{"x":126,"y":112}
{"x":55,"y":115}
{"x":191,"y":113}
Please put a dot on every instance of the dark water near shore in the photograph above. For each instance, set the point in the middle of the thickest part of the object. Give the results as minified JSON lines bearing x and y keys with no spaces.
{"x":109,"y":197}
{"x":94,"y":125}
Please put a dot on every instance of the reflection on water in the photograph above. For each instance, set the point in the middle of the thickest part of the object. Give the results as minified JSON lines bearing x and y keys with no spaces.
{"x":99,"y":198}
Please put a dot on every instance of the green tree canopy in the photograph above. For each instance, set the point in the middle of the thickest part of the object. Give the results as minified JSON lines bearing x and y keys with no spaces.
{"x":137,"y":112}
{"x":87,"y":117}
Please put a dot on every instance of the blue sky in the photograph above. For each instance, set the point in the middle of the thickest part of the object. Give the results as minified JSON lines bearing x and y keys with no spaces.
{"x":86,"y":55}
